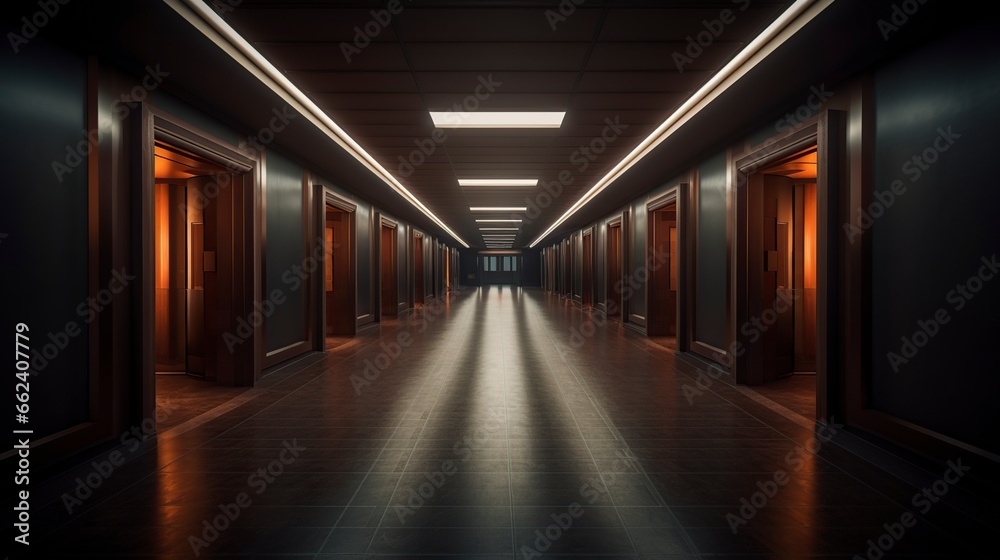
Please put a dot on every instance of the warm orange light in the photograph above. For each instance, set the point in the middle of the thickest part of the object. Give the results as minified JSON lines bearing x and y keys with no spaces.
{"x":809,"y":236}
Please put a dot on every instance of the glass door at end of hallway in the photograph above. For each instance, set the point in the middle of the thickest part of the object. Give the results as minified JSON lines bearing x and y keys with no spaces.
{"x":500,"y":269}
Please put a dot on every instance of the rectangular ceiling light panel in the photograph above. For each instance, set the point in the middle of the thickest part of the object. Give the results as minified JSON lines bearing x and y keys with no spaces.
{"x":498,"y":182}
{"x":498,"y":119}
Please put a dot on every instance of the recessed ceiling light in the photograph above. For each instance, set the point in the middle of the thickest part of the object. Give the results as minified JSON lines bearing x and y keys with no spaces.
{"x":498,"y":182}
{"x":498,"y":229}
{"x":508,"y":221}
{"x":498,"y":119}
{"x":499,"y":208}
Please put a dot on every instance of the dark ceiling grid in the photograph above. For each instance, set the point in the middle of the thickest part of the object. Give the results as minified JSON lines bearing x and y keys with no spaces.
{"x":606,"y":58}
{"x":409,"y":62}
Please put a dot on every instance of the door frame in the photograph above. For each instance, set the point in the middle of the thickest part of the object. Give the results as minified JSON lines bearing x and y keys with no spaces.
{"x":587,"y":280}
{"x":827,"y":132}
{"x":324,"y":196}
{"x":157,"y":125}
{"x":671,"y":196}
{"x":417,"y":238}
{"x":384,"y":222}
{"x":609,"y":281}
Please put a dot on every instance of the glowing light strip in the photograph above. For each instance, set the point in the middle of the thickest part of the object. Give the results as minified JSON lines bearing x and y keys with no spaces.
{"x":788,"y":24}
{"x":199,"y":15}
{"x":498,"y":182}
{"x":498,"y":119}
{"x":498,"y":209}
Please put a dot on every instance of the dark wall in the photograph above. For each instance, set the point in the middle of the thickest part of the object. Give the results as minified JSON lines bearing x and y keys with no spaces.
{"x":710,"y":253}
{"x":531,"y":267}
{"x":284,"y":251}
{"x":468,"y":267}
{"x":935,"y":236}
{"x":43,"y":225}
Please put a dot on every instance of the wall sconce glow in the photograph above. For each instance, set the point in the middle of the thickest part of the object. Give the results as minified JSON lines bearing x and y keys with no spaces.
{"x":498,"y":182}
{"x":499,"y":208}
{"x":498,"y":119}
{"x":507,"y":221}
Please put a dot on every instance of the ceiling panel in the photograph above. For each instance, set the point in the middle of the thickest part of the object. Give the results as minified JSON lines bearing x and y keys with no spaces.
{"x":611,"y":61}
{"x":514,"y":57}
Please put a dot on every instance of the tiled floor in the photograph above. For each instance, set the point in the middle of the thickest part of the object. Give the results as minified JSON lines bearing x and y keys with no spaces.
{"x":504,"y":424}
{"x":794,"y":392}
{"x":180,"y":398}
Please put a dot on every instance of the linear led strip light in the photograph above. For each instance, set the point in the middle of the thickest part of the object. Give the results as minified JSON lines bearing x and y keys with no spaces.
{"x":797,"y":16}
{"x":199,"y":15}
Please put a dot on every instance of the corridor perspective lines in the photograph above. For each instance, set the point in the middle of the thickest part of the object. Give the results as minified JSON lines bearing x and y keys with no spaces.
{"x":491,"y":426}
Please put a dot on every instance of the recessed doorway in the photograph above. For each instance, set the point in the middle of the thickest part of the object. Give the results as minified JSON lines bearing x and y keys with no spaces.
{"x":184,"y":261}
{"x":614,"y":284}
{"x":662,"y":262}
{"x":587,"y":281}
{"x":195,"y":242}
{"x":782,"y":224}
{"x":388,"y":269}
{"x":786,"y":242}
{"x":418,"y":270}
{"x":340,"y":318}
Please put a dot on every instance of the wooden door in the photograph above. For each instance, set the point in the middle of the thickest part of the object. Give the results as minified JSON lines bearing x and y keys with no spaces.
{"x":778,"y":340}
{"x":587,"y":298}
{"x":662,"y":314}
{"x":614,"y":288}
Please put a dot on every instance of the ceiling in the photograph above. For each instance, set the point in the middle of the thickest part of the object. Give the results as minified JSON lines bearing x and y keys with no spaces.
{"x":607,"y":60}
{"x":604,"y":62}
